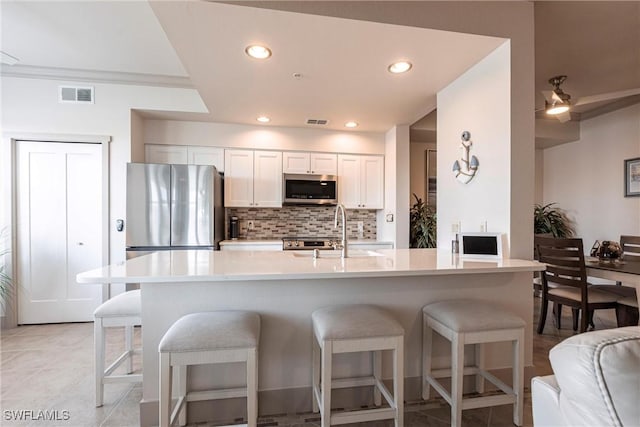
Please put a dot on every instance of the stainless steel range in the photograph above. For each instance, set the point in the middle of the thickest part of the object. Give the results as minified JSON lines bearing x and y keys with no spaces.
{"x":308,"y":243}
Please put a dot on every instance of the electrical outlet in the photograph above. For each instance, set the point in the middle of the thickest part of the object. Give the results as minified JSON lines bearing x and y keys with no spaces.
{"x":250,"y":225}
{"x":360,"y":226}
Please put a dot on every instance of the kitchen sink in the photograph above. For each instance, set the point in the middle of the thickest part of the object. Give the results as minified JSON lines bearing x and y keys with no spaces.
{"x":353,"y":253}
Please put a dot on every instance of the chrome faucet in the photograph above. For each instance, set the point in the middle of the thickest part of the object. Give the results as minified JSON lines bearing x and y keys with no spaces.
{"x":340,"y":207}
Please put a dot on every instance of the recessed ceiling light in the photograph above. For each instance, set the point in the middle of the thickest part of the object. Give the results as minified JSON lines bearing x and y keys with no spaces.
{"x":263,"y":119}
{"x":400,"y":67}
{"x":351,"y":124}
{"x":258,"y":52}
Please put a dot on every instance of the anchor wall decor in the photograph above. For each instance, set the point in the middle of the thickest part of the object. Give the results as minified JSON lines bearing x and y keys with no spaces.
{"x":469,"y":167}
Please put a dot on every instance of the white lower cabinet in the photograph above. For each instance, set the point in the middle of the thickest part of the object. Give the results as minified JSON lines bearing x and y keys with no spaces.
{"x":361,"y":181}
{"x":251,"y":245}
{"x":370,"y":245}
{"x":276,"y":245}
{"x":253,"y":179}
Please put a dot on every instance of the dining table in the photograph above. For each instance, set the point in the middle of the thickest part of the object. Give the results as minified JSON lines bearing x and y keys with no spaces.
{"x":626,"y":271}
{"x":623,"y":272}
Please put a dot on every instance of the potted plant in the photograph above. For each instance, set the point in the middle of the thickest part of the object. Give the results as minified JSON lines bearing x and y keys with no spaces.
{"x":5,"y":279}
{"x":551,"y":220}
{"x":423,"y":225}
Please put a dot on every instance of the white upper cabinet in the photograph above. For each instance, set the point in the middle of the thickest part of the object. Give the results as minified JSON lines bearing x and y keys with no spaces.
{"x":253,"y":178}
{"x":372,"y":182}
{"x":185,"y":154}
{"x":267,"y":179}
{"x":324,"y":163}
{"x":295,"y":162}
{"x":238,"y":178}
{"x":206,"y":156}
{"x":309,"y":163}
{"x":361,"y":181}
{"x":171,"y":154}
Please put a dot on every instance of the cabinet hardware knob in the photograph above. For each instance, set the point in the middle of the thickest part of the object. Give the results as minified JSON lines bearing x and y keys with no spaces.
{"x":80,"y":243}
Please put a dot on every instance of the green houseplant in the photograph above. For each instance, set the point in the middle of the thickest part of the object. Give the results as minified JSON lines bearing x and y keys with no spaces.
{"x":548,"y":219}
{"x":5,"y":279}
{"x":423,"y":225}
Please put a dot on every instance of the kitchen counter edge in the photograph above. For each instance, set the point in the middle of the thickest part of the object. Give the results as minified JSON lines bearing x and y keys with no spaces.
{"x":210,"y":266}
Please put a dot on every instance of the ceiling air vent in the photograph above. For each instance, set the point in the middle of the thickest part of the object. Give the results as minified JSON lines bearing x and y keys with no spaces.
{"x":320,"y":122}
{"x":75,"y":95}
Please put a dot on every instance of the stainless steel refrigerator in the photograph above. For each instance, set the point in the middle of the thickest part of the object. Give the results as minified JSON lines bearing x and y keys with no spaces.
{"x":173,"y":207}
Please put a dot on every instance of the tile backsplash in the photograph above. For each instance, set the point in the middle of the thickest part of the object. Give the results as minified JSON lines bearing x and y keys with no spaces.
{"x":300,"y":221}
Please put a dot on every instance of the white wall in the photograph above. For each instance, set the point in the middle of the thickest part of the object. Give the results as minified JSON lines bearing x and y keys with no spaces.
{"x":31,"y":106}
{"x":464,"y":105}
{"x":261,"y":137}
{"x":393,"y":221}
{"x":137,"y":137}
{"x":539,"y":182}
{"x":585,"y":178}
{"x":418,"y":169}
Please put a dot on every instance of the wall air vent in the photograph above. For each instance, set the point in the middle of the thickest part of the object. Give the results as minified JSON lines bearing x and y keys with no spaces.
{"x":75,"y":95}
{"x":320,"y":122}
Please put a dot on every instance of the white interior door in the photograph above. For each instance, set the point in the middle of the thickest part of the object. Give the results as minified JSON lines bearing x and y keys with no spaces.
{"x":59,"y":195}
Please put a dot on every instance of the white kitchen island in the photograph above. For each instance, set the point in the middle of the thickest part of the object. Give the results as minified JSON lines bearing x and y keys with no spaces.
{"x":286,"y":287}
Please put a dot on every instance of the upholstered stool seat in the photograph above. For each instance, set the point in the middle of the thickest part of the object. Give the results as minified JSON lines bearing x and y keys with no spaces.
{"x":123,"y":310}
{"x":472,"y":322}
{"x":357,"y":328}
{"x":208,"y":338}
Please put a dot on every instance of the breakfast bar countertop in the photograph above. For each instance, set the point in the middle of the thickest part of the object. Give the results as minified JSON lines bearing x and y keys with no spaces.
{"x":286,"y":287}
{"x":205,"y":266}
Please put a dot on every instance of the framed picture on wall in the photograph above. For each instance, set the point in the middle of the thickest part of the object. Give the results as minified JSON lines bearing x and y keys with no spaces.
{"x":431,"y":175}
{"x":632,"y":177}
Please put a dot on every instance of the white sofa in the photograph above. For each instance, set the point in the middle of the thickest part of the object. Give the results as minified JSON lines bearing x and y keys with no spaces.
{"x":596,"y":381}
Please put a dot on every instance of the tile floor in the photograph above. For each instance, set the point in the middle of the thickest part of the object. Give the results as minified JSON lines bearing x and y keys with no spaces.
{"x":50,"y":368}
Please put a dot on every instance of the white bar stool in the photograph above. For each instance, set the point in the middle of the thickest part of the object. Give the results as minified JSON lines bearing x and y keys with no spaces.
{"x":472,"y":322}
{"x":357,"y":328}
{"x":123,"y":310}
{"x":207,"y":338}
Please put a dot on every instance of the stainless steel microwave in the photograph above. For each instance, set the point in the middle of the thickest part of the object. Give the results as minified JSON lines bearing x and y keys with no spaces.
{"x":302,"y":189}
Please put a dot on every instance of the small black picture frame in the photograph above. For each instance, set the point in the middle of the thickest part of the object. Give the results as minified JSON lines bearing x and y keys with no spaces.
{"x":632,"y":177}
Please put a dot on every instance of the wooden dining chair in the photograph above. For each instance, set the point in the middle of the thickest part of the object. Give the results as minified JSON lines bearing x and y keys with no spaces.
{"x":630,"y":247}
{"x":537,"y":279}
{"x":564,"y":282}
{"x":627,"y":312}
